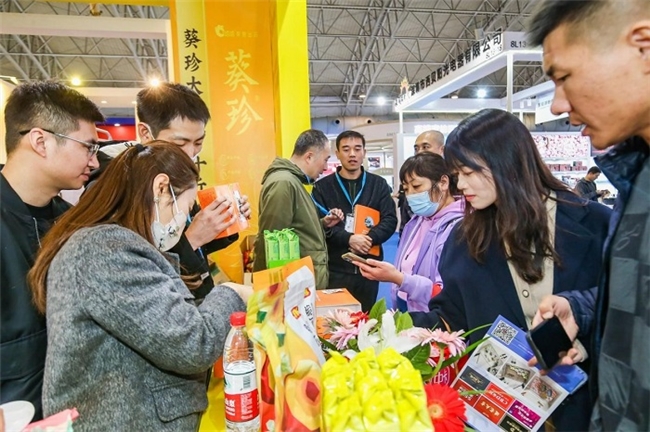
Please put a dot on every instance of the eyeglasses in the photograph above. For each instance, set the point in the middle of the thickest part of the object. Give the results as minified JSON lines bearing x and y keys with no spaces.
{"x":92,"y":147}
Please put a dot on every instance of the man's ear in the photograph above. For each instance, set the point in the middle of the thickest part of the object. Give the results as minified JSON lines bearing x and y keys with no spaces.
{"x":36,"y":139}
{"x":144,"y":133}
{"x":639,"y":37}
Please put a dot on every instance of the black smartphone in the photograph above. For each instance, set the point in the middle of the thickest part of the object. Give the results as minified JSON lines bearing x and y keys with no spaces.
{"x":548,"y":340}
{"x":350,"y":257}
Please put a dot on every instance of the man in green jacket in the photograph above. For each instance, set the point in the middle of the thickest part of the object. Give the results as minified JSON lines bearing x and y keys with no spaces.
{"x":285,"y":202}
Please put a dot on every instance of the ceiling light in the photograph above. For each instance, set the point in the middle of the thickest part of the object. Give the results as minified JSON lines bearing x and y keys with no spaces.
{"x":454,"y":96}
{"x":154,"y":82}
{"x":381,"y":100}
{"x":104,"y":102}
{"x":481,"y":93}
{"x":362,"y":96}
{"x":13,"y":79}
{"x":75,"y":81}
{"x":117,"y":124}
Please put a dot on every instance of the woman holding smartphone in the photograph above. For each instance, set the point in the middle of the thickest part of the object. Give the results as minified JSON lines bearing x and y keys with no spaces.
{"x":430,"y":189}
{"x":525,"y":235}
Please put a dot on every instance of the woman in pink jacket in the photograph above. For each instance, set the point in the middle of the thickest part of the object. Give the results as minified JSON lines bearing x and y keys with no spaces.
{"x":430,"y":189}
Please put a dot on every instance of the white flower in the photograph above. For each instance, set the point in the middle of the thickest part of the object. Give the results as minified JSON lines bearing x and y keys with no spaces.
{"x":387,"y":336}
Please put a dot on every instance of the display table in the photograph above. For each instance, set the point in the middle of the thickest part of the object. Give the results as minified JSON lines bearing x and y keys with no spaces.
{"x":214,"y":418}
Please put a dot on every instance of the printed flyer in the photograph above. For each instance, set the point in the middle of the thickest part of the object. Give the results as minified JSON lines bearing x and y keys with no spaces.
{"x":510,"y":395}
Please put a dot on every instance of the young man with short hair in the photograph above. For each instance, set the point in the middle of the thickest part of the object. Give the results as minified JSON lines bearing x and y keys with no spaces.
{"x":586,"y":186}
{"x":584,"y":42}
{"x":349,"y":186}
{"x":286,"y":202}
{"x":175,"y":113}
{"x":51,"y":143}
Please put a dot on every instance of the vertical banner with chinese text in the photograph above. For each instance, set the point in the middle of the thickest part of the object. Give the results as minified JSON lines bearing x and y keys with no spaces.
{"x":241,"y":102}
{"x":249,"y":59}
{"x":189,"y":40}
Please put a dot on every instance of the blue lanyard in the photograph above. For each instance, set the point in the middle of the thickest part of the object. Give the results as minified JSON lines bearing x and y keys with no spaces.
{"x":345,"y":191}
{"x":318,"y":206}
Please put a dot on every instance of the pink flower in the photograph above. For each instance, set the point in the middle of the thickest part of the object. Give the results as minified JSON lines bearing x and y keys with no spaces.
{"x":454,"y":342}
{"x":342,"y":336}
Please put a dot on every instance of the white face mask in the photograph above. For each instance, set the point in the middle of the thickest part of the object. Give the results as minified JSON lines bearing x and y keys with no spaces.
{"x":165,"y":237}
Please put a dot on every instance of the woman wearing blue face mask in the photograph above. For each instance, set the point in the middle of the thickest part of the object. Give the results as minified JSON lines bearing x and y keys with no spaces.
{"x":430,"y":188}
{"x":127,"y":346}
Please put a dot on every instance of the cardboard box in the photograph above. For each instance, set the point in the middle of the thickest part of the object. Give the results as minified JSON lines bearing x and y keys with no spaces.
{"x":332,"y":299}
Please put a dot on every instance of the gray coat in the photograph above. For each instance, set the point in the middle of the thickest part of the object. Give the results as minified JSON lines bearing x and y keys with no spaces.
{"x":126,"y":345}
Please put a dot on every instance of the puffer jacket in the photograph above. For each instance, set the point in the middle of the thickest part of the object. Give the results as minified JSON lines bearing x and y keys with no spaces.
{"x":23,"y":330}
{"x":285,"y":203}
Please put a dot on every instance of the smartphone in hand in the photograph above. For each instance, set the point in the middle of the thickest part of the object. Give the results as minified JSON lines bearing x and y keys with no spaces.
{"x":350,"y":257}
{"x":549,"y":341}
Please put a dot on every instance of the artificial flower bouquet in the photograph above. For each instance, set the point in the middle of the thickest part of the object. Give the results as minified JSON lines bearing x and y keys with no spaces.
{"x":434,"y":354}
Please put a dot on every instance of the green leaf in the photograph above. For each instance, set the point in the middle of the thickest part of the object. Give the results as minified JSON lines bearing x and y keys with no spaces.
{"x":466,"y":334}
{"x":418,"y":355}
{"x":425,"y":370}
{"x":403,"y":321}
{"x":378,"y":310}
{"x":327,"y":345}
{"x":353,"y":344}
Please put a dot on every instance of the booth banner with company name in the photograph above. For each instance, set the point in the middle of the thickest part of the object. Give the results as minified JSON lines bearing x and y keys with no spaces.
{"x":223,"y":52}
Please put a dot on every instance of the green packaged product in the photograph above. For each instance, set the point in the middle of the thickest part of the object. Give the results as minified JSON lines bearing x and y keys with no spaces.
{"x":284,"y":245}
{"x":294,"y":244}
{"x":271,"y":246}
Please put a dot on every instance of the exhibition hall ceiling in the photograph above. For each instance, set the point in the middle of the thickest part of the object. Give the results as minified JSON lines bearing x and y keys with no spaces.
{"x":359,"y":50}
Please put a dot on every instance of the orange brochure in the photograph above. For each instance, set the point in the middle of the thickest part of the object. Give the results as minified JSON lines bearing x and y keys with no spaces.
{"x":364,"y":219}
{"x":231,"y":192}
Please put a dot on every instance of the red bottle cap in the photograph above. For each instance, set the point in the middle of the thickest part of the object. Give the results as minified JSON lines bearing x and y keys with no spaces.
{"x":238,"y":319}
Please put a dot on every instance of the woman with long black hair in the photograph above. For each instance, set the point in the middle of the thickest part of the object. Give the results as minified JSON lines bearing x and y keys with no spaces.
{"x":525,"y":235}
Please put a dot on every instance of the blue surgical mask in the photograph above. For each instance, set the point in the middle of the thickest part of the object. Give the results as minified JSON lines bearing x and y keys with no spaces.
{"x":421,"y":204}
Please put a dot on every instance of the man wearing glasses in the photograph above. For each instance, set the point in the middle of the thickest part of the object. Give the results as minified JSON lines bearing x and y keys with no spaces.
{"x":51,"y":144}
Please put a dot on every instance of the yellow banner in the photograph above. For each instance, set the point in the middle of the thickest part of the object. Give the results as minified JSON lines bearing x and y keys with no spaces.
{"x":242,"y":100}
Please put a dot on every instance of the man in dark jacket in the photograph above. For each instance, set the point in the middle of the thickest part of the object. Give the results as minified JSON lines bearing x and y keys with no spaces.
{"x":51,"y":144}
{"x":586,"y":187}
{"x":173,"y":112}
{"x":580,"y":37}
{"x":348,"y":187}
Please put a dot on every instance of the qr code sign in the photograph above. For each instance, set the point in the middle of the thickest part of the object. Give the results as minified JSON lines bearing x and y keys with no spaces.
{"x":504,"y":332}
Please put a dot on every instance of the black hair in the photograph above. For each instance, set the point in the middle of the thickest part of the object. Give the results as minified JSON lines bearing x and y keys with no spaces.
{"x":47,"y":105}
{"x":594,"y":170}
{"x":428,"y":165}
{"x":350,"y":134}
{"x":550,"y":14}
{"x":158,"y":106}
{"x":308,"y":140}
{"x":498,"y":141}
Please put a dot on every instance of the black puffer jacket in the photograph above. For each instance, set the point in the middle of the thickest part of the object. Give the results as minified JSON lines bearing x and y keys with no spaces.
{"x":24,"y":336}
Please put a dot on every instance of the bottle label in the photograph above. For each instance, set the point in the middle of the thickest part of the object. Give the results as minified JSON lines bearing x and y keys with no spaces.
{"x":240,"y":391}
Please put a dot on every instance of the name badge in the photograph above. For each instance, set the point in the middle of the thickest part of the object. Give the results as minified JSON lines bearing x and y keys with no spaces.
{"x":349,"y":223}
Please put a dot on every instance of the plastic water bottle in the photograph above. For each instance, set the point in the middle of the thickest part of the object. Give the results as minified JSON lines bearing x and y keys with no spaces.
{"x":240,"y":388}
